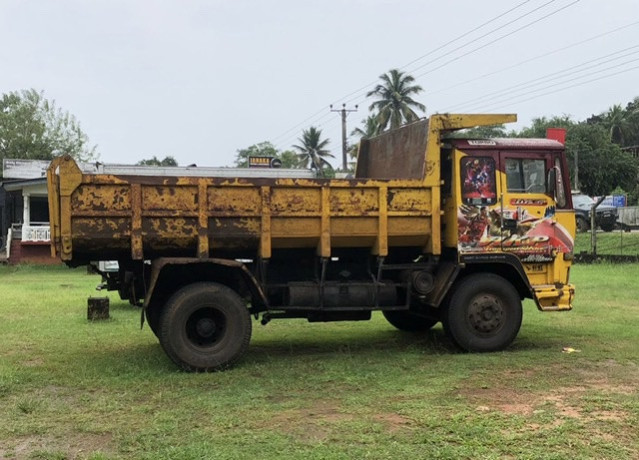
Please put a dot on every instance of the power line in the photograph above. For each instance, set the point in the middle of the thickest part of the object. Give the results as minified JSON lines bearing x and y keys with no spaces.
{"x":526,"y":61}
{"x":470,"y":43}
{"x":440,"y":47}
{"x":509,"y":103}
{"x":496,"y":39}
{"x":301,"y":123}
{"x":565,"y":81}
{"x":546,"y":78}
{"x":319,"y":112}
{"x":487,"y":34}
{"x":321,"y":123}
{"x":519,"y":29}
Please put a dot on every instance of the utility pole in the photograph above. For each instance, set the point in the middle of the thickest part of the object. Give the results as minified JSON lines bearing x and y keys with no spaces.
{"x":576,"y":170}
{"x":344,"y":111}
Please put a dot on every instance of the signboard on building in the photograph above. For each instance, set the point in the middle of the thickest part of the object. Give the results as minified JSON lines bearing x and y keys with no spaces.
{"x":618,"y":201}
{"x":264,"y":162}
{"x":24,"y":169}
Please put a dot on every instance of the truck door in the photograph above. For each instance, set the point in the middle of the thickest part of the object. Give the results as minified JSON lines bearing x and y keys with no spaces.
{"x":528,"y":209}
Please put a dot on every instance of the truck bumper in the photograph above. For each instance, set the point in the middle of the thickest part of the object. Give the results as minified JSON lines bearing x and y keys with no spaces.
{"x":554,"y":297}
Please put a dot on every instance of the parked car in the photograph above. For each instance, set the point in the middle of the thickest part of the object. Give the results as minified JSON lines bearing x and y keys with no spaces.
{"x":605,"y":216}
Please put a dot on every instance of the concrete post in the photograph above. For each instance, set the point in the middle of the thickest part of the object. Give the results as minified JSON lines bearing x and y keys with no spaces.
{"x":26,"y":210}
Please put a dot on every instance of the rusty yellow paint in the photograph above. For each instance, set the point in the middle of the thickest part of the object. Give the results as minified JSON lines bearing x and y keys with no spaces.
{"x":265,"y":237}
{"x":324,"y":249}
{"x":381,"y":243}
{"x":69,"y":178}
{"x":203,"y":220}
{"x":136,"y":222}
{"x":54,"y":203}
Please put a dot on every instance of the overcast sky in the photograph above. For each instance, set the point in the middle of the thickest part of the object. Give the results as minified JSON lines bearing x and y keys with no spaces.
{"x":200,"y":79}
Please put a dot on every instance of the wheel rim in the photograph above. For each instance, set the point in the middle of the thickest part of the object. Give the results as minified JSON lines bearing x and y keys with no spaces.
{"x":486,"y":314}
{"x":205,"y":327}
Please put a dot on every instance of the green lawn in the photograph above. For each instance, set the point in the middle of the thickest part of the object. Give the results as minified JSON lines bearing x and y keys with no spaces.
{"x":70,"y":388}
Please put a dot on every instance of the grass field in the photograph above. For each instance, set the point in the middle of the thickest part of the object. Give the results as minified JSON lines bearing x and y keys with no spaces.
{"x":70,"y":388}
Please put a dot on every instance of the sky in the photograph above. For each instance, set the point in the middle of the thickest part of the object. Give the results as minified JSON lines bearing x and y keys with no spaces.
{"x":199,"y":80}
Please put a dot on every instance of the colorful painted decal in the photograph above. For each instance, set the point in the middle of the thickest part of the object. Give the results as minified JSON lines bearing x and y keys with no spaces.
{"x":528,"y":202}
{"x":478,"y":176}
{"x":531,"y":238}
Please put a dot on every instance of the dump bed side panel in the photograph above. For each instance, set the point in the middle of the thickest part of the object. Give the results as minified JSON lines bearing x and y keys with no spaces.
{"x":141,"y":217}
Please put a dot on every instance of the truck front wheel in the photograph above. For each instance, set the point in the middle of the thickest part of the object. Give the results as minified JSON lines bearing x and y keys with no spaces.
{"x":205,"y":327}
{"x":484,"y":313}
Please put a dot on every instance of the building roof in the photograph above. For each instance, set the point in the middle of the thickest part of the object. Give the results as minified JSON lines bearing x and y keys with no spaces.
{"x":14,"y":185}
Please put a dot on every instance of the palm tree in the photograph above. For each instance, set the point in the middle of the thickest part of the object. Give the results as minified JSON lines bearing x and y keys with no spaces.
{"x":394,"y":104}
{"x":312,"y":150}
{"x":617,"y":121}
{"x":369,"y":129}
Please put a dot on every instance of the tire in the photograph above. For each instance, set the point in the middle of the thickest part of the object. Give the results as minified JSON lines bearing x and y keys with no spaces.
{"x":607,"y":227}
{"x":582,"y":224}
{"x":153,"y":319}
{"x":205,"y":327}
{"x":484,"y":313}
{"x":409,"y":321}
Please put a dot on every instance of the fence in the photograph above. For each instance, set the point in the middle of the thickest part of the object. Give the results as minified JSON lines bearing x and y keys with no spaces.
{"x":619,"y":245}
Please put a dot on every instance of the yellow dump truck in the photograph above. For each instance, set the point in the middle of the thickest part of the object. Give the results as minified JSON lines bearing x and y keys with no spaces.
{"x":431,"y":228}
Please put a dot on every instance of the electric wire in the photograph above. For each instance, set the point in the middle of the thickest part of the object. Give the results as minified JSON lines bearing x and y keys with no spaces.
{"x":526,"y":61}
{"x":366,"y":87}
{"x":518,"y":101}
{"x":440,"y":47}
{"x":450,"y":61}
{"x":546,"y":78}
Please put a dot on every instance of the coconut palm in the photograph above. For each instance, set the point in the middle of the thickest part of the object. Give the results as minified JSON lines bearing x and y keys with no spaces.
{"x":312,"y":150}
{"x":394,"y":104}
{"x":617,"y":121}
{"x":369,"y":129}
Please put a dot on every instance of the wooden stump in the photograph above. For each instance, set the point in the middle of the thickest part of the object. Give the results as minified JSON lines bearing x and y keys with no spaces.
{"x":97,"y":308}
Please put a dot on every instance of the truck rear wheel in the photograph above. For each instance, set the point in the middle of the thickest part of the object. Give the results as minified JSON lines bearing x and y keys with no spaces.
{"x":205,"y":327}
{"x":484,"y":313}
{"x":409,"y":321}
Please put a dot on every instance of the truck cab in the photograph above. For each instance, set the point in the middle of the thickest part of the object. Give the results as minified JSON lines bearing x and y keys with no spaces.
{"x":511,"y":197}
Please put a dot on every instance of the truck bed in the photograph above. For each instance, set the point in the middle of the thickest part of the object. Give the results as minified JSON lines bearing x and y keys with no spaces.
{"x":106,"y":216}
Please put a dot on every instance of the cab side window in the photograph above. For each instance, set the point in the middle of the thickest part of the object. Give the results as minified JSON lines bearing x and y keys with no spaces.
{"x":525,"y":175}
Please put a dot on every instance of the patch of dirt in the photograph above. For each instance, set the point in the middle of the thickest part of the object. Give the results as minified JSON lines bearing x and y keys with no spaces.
{"x":317,"y":422}
{"x":312,"y":423}
{"x":564,"y":401}
{"x":527,"y":403}
{"x":35,"y":362}
{"x":393,"y":422}
{"x":76,"y":446}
